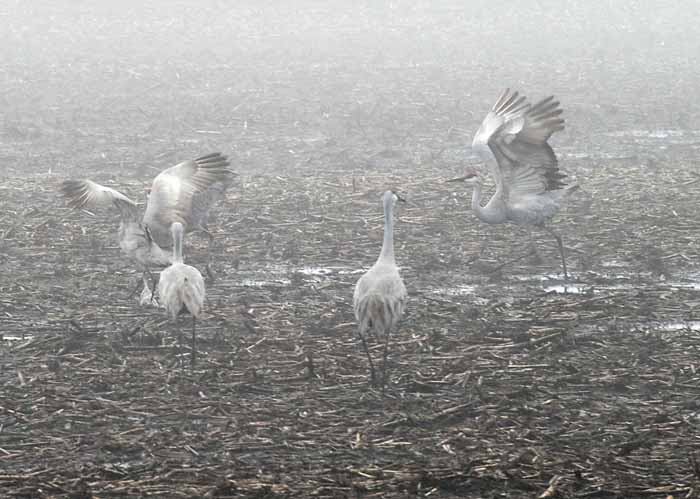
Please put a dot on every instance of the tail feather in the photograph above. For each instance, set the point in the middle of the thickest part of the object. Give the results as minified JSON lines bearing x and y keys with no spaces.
{"x":377,"y":313}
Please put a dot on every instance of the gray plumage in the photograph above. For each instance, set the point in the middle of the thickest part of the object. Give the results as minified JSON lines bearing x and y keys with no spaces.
{"x":512,"y":140}
{"x":181,"y":286}
{"x":380,"y":295}
{"x":183,"y":193}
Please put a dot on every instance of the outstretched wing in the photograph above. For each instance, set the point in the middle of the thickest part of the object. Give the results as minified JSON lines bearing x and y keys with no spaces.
{"x":88,"y":194}
{"x":174,"y":189}
{"x":517,"y":133}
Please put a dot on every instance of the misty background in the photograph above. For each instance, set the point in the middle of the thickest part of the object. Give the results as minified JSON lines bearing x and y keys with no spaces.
{"x":333,"y":86}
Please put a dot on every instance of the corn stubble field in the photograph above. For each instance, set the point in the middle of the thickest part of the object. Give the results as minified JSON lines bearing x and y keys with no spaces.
{"x":504,"y":381}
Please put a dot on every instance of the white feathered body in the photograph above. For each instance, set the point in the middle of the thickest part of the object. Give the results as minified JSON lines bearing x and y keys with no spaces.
{"x":181,"y":287}
{"x":380,"y":295}
{"x":380,"y":298}
{"x":536,"y":209}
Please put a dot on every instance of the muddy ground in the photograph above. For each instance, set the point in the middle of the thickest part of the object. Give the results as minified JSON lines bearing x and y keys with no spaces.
{"x":504,"y":380}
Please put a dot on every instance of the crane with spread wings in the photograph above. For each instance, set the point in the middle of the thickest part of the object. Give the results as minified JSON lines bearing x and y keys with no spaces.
{"x":530,"y":187}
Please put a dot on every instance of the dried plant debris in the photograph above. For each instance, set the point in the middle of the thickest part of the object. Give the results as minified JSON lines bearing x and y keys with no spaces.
{"x":496,"y":386}
{"x":503,"y":380}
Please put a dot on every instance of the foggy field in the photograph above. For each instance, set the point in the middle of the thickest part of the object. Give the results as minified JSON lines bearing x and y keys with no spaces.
{"x":504,"y":378}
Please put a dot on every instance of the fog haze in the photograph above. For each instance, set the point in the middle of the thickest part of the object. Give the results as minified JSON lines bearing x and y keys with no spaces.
{"x":123,"y":83}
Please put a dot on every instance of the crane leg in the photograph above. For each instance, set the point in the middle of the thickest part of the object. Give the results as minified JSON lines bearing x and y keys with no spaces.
{"x":560,"y":244}
{"x":153,"y":281}
{"x":179,"y":341}
{"x":533,"y":247}
{"x":373,"y":375}
{"x":194,"y":322}
{"x":385,"y":357}
{"x":138,"y":285}
{"x":210,"y":273}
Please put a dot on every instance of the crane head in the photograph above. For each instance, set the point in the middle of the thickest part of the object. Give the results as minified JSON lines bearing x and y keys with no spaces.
{"x":391,"y":197}
{"x":470,"y":175}
{"x":398,"y":196}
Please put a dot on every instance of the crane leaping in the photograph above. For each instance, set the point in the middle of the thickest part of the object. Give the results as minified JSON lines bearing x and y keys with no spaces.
{"x":183,"y":193}
{"x":512,"y":140}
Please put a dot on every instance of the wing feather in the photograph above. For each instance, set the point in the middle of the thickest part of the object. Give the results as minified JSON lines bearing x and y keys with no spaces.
{"x":173,"y":189}
{"x":88,"y":194}
{"x":516,"y":134}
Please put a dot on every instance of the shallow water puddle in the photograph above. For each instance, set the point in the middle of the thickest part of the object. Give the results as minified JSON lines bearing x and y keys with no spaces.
{"x":568,"y":289}
{"x":597,"y":155}
{"x":26,"y":337}
{"x":316,"y":271}
{"x":326,"y":271}
{"x":263,"y":283}
{"x":462,"y":290}
{"x":690,"y":281}
{"x":688,"y":285}
{"x":281,"y":275}
{"x":614,"y":263}
{"x":679,"y":326}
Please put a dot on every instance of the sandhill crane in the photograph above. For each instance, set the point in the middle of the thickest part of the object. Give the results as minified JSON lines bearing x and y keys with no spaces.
{"x":181,"y":287}
{"x":512,"y":140}
{"x":380,"y":296}
{"x":182,"y":193}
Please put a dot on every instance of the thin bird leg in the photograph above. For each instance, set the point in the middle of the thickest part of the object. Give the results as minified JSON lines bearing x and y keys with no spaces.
{"x":138,"y":286}
{"x":385,"y":356}
{"x":153,"y":282}
{"x":194,"y":322}
{"x":179,"y":341}
{"x":210,"y":273}
{"x":373,"y":376}
{"x":485,"y":244}
{"x":561,"y":250}
{"x":533,"y":246}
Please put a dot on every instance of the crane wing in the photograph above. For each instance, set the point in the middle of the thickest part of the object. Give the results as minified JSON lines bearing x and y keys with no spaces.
{"x":173,"y":189}
{"x":88,"y":194}
{"x":517,"y":133}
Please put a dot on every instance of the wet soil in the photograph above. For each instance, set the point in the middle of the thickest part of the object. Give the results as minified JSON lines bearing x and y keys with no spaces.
{"x":503,"y":379}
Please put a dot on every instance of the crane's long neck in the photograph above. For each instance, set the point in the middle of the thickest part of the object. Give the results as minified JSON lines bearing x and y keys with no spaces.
{"x":387,"y":253}
{"x":494,"y":212}
{"x":177,"y":242}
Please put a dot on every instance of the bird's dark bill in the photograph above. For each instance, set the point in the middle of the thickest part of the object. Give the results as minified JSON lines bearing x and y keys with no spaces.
{"x":462,"y":178}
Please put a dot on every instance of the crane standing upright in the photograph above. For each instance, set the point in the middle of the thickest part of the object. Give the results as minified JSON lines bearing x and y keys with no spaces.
{"x":512,"y":140}
{"x":380,"y":295}
{"x":181,"y":287}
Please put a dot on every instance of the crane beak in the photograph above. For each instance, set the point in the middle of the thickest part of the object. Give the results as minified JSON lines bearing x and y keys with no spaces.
{"x":468,"y":175}
{"x":458,"y":179}
{"x":399,"y":198}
